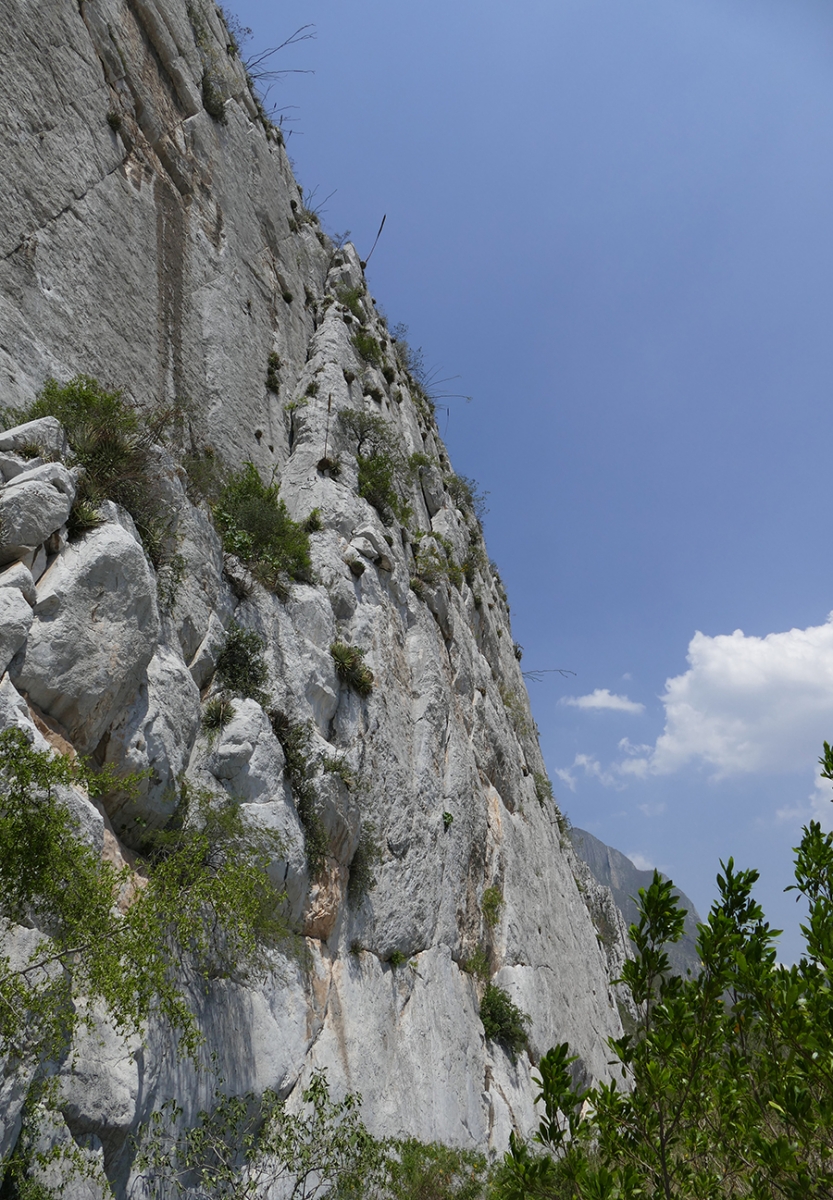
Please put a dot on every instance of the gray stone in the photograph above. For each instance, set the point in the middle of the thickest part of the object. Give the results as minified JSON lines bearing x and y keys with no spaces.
{"x":15,"y":622}
{"x":94,"y":633}
{"x":20,"y":577}
{"x":47,"y":433}
{"x":31,"y":511}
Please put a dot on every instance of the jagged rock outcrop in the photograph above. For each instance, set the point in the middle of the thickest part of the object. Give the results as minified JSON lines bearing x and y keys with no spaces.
{"x":165,"y":249}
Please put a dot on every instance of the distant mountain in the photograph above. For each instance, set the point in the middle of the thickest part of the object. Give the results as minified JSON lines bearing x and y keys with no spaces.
{"x":616,"y":871}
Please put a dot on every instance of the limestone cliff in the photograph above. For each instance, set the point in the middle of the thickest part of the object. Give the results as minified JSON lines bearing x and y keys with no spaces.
{"x":153,"y":237}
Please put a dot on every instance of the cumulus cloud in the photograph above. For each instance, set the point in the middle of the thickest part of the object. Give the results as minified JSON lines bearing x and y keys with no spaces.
{"x":746,"y":705}
{"x":604,"y":698}
{"x":591,"y":767}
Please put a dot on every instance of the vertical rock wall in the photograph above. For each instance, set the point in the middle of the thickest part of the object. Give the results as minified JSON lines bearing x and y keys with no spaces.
{"x":166,"y":251}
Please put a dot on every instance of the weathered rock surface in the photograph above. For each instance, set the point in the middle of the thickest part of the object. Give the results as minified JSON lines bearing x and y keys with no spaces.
{"x":167,"y":252}
{"x":93,"y":635}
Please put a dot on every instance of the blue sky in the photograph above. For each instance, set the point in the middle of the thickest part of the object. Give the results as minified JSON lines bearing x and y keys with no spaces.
{"x":612,"y":220}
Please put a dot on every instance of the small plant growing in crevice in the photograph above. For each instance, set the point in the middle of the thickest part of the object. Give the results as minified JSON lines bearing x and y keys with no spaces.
{"x":351,"y":667}
{"x":516,"y":711}
{"x":491,"y":905}
{"x":448,"y":819}
{"x":255,"y":525}
{"x":340,"y":767}
{"x":241,"y":666}
{"x":467,"y":495}
{"x":368,"y":348}
{"x":273,"y":366}
{"x":313,"y":523}
{"x":397,"y":959}
{"x":543,"y":787}
{"x":295,"y":741}
{"x":380,"y":462}
{"x":169,"y":580}
{"x":351,"y":298}
{"x":503,"y":1021}
{"x":363,"y":865}
{"x":477,"y":964}
{"x":114,"y":120}
{"x":218,"y":712}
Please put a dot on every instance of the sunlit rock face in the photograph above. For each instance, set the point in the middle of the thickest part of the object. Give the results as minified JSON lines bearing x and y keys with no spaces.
{"x":165,"y":250}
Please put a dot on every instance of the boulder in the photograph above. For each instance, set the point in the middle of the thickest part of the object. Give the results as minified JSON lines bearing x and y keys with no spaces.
{"x":95,"y":631}
{"x":33,"y":506}
{"x":19,"y":576}
{"x":47,"y":433}
{"x":15,"y":622}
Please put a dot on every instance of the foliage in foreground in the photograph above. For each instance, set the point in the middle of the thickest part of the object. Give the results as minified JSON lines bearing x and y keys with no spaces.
{"x":731,"y":1071}
{"x":74,"y":926}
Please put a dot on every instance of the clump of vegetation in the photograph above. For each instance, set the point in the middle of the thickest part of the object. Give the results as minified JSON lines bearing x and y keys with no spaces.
{"x":397,"y":959}
{"x":380,"y":463}
{"x":114,"y":120}
{"x":241,"y":666}
{"x":207,"y":902}
{"x":206,"y":474}
{"x":295,"y":741}
{"x":368,"y":348}
{"x":169,"y":580}
{"x":503,"y":1021}
{"x":339,"y":766}
{"x":543,"y":787}
{"x":254,"y":524}
{"x":434,"y":560}
{"x":212,"y":96}
{"x":467,"y":495}
{"x":448,"y":820}
{"x":313,"y":523}
{"x":477,"y":964}
{"x":363,"y":865}
{"x":351,"y":667}
{"x":217,"y":713}
{"x":516,"y":711}
{"x":273,"y":366}
{"x":491,"y":905}
{"x":114,"y":444}
{"x":351,"y":298}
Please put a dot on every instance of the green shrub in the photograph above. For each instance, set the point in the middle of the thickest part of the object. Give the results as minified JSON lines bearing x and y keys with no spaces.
{"x":218,"y":712}
{"x":380,"y":463}
{"x":339,"y":766}
{"x":363,"y":865}
{"x":503,"y":1021}
{"x":351,"y":298}
{"x":432,"y":1171}
{"x":491,"y":904}
{"x":467,"y":495}
{"x":477,"y":964}
{"x":448,"y":819}
{"x":397,"y":959}
{"x":351,"y":668}
{"x":543,"y":787}
{"x":368,"y":348}
{"x":313,"y":523}
{"x":113,"y":443}
{"x":241,"y":667}
{"x":273,"y":366}
{"x":254,"y":524}
{"x":295,"y":741}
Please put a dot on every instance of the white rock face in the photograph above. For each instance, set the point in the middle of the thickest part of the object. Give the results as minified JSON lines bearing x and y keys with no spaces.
{"x":166,"y":256}
{"x":94,"y":634}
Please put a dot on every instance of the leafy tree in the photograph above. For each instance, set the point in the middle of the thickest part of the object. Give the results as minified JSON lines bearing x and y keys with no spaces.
{"x":728,"y":1083}
{"x":78,"y":932}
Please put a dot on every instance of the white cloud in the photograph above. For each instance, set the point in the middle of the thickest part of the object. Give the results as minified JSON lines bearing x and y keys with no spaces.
{"x":746,"y":705}
{"x":604,"y":698}
{"x":640,"y":862}
{"x":592,"y":767}
{"x":652,"y":810}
